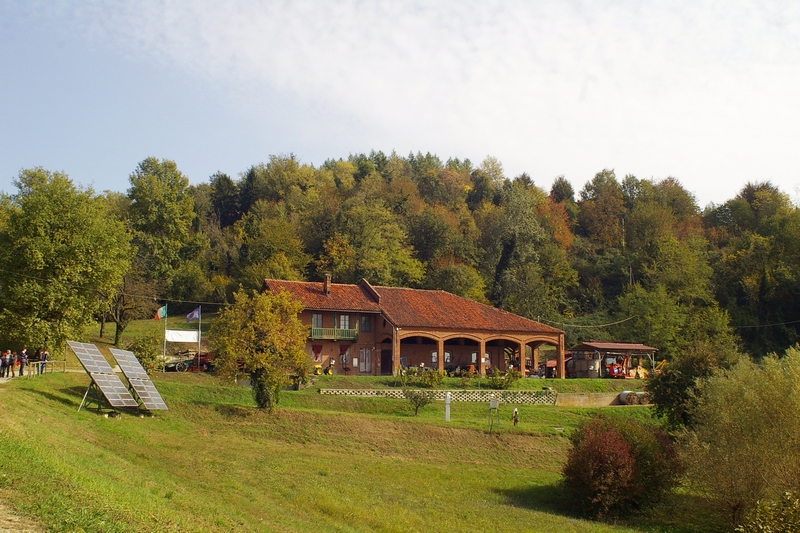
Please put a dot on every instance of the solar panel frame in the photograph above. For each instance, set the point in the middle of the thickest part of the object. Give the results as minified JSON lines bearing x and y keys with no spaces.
{"x":139,"y":380}
{"x":103,"y":376}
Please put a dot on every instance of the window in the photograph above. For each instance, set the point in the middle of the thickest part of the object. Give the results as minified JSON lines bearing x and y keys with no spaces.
{"x":366,"y":323}
{"x":316,"y":320}
{"x":344,"y":322}
{"x":474,"y":357}
{"x":434,"y":357}
{"x":365,"y":360}
{"x":448,"y":357}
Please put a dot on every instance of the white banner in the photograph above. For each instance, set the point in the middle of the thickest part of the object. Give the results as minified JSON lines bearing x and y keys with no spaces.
{"x":180,"y":335}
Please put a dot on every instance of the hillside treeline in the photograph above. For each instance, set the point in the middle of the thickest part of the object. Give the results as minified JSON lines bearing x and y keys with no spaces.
{"x":622,"y":258}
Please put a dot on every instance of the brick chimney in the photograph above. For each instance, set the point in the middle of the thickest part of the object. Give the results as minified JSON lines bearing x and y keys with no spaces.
{"x":326,"y":285}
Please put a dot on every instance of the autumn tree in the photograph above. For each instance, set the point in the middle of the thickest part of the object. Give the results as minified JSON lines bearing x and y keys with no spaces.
{"x":261,"y":335}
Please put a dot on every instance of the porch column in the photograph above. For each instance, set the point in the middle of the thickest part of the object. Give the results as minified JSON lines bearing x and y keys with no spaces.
{"x":560,"y":357}
{"x":441,"y":355}
{"x":396,"y":352}
{"x":534,"y":359}
{"x":481,"y":360}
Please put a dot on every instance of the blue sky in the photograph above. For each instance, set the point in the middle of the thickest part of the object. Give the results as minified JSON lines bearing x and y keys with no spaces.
{"x":708,"y":93}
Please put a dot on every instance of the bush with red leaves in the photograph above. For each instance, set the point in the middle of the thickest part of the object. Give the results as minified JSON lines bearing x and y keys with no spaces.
{"x":615,"y":465}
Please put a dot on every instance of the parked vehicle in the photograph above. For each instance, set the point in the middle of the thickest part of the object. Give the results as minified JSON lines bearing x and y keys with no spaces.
{"x":202,"y":362}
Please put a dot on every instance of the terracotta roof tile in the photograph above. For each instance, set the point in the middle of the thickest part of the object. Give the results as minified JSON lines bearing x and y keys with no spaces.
{"x":340,"y":297}
{"x":407,"y":308}
{"x":443,"y":310}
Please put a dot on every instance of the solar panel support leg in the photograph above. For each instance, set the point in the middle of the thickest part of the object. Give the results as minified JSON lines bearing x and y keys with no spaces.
{"x":84,"y":396}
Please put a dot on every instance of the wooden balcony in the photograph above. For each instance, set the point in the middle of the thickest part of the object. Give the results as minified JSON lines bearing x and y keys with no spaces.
{"x":334,"y":334}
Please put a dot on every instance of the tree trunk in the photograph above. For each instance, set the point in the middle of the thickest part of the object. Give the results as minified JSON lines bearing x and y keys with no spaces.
{"x":118,"y":333}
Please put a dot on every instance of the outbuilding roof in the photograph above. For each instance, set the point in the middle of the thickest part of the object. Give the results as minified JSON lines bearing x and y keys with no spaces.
{"x":408,"y":308}
{"x":613,"y":347}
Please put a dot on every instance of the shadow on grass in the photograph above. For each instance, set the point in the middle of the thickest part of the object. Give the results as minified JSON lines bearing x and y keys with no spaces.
{"x":551,"y":499}
{"x":70,"y":397}
{"x":678,"y":513}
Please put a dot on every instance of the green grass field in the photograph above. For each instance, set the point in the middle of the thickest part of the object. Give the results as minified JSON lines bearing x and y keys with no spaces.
{"x":320,"y":463}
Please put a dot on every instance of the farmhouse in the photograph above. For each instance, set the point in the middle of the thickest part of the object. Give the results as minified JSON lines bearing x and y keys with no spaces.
{"x":361,"y":329}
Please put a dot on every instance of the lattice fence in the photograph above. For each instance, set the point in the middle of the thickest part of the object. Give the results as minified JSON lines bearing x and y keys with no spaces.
{"x":505,"y":396}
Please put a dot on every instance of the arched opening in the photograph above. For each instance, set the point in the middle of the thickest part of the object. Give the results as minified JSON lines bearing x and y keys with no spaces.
{"x":419,"y":351}
{"x":542,"y":359}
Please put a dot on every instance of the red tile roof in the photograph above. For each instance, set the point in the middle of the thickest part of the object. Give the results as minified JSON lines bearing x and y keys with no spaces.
{"x":340,"y":297}
{"x":407,"y":308}
{"x":443,"y":310}
{"x":614,"y":347}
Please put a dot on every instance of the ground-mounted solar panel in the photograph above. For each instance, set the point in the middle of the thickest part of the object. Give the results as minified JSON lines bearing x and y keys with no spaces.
{"x":139,"y":380}
{"x":115,"y":390}
{"x":148,"y":394}
{"x":103,"y":376}
{"x":129,"y":364}
{"x":91,"y":358}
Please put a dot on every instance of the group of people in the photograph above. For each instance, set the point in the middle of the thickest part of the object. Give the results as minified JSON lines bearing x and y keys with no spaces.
{"x":10,"y":361}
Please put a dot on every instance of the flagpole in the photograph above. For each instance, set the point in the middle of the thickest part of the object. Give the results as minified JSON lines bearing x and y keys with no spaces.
{"x":199,"y":322}
{"x":166,"y":314}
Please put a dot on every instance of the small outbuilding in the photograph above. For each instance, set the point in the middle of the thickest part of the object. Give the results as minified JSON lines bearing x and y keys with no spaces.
{"x":610,"y":360}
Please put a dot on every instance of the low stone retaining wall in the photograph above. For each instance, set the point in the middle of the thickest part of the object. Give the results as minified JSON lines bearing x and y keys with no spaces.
{"x":588,"y":399}
{"x":505,"y":396}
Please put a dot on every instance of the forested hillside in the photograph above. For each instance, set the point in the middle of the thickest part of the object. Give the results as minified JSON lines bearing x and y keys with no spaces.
{"x":623,"y":258}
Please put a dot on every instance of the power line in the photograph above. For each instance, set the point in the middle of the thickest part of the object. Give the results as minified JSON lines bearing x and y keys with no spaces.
{"x":588,"y":325}
{"x":768,"y":325}
{"x":149,"y":297}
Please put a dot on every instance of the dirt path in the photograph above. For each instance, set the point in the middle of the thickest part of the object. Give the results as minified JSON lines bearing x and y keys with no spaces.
{"x":12,"y":523}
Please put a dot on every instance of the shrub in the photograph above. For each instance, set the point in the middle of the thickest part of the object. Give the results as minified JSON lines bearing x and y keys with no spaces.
{"x":148,"y":351}
{"x":742,"y":446}
{"x":616,"y":465}
{"x":672,"y":392}
{"x":430,"y":378}
{"x":418,"y":398}
{"x":780,"y":516}
{"x":503,"y":381}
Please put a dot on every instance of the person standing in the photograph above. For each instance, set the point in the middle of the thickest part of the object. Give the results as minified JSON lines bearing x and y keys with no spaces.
{"x":2,"y":364}
{"x":13,"y":364}
{"x":43,"y":361}
{"x":8,"y":367}
{"x":23,"y":360}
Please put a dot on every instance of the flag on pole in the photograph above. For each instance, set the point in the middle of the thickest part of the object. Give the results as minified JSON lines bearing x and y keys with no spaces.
{"x":194,"y":315}
{"x":161,"y":313}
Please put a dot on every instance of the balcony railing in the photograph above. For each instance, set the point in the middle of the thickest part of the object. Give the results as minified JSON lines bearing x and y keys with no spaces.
{"x":335,"y":334}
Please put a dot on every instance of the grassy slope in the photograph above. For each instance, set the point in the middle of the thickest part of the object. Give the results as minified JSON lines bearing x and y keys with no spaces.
{"x":214,"y":463}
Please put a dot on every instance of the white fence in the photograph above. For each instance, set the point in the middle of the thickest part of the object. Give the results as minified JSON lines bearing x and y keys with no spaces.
{"x":505,"y":396}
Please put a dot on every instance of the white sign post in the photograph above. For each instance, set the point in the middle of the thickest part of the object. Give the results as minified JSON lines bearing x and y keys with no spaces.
{"x":447,"y":399}
{"x":494,"y":409}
